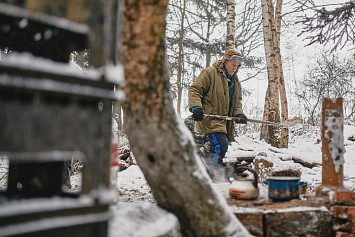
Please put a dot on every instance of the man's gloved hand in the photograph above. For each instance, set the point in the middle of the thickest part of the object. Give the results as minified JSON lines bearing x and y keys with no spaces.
{"x":197,"y":114}
{"x":241,"y":118}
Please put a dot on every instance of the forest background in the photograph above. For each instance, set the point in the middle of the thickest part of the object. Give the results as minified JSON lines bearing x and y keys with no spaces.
{"x":196,"y":36}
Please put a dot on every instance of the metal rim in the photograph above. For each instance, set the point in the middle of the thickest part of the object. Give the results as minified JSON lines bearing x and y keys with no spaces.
{"x":283,"y":178}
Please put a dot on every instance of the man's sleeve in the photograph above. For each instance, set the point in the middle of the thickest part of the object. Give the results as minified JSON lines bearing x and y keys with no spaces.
{"x":239,"y":108}
{"x":198,"y":89}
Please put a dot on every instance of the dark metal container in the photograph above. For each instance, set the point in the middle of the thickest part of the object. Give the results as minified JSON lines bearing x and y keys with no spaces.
{"x":283,"y":188}
{"x":49,"y":115}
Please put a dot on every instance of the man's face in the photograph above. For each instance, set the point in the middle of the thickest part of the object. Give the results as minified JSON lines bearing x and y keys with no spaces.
{"x":231,"y":66}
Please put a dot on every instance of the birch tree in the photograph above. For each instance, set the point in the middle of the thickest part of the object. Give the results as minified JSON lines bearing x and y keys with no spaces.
{"x":161,"y":144}
{"x":180,"y":58}
{"x":230,"y":42}
{"x":276,"y":91}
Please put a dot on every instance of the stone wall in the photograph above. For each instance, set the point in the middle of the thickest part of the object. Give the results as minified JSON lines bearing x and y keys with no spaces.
{"x":343,"y":213}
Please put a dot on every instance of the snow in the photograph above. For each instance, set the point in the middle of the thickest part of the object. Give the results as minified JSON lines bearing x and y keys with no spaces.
{"x":303,"y":208}
{"x":134,"y":197}
{"x":114,"y":73}
{"x":29,"y":62}
{"x":132,"y":186}
{"x":141,"y":219}
{"x":333,"y":132}
{"x":303,"y":145}
{"x":237,"y":209}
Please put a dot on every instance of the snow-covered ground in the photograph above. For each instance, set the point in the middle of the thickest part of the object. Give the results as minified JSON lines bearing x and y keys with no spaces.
{"x":303,"y":145}
{"x":133,"y":192}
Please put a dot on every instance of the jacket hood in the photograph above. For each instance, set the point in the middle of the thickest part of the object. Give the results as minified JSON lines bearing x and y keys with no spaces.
{"x":219,"y":63}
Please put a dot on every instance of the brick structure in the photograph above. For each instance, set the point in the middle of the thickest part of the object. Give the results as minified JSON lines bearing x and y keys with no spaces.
{"x":343,"y":213}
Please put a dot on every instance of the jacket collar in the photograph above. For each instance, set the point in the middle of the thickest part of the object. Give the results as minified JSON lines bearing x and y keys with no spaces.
{"x":219,"y":67}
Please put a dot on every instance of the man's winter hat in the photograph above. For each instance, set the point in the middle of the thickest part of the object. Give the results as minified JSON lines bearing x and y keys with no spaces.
{"x":236,"y":58}
{"x":233,"y":56}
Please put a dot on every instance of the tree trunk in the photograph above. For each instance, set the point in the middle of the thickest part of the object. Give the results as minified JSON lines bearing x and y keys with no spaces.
{"x":208,"y":35}
{"x":180,"y":59}
{"x":281,"y":84}
{"x":230,"y":42}
{"x":158,"y":138}
{"x":276,"y":87}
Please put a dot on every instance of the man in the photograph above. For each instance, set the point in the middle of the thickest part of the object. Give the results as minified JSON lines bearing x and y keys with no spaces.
{"x":217,"y":91}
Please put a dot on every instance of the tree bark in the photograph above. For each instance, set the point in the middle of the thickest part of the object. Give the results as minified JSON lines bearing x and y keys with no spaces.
{"x":159,"y":140}
{"x":230,"y":42}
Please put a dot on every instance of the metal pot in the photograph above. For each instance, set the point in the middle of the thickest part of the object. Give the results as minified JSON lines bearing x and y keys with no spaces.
{"x":245,"y":188}
{"x":283,"y":187}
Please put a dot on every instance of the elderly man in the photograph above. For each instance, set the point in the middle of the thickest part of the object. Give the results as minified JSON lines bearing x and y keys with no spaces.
{"x":217,"y":91}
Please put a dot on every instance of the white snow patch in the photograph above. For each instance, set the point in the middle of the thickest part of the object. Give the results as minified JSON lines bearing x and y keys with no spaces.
{"x":334,"y":133}
{"x":114,"y":73}
{"x":141,"y":219}
{"x":302,"y":208}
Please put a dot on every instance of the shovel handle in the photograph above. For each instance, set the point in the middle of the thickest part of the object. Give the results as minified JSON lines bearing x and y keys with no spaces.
{"x":286,"y":124}
{"x":238,"y":119}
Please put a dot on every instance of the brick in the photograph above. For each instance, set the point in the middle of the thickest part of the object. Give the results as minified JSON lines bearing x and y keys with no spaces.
{"x":344,"y":198}
{"x":314,"y":222}
{"x":344,"y":212}
{"x":343,"y":234}
{"x":252,"y":221}
{"x":344,"y":225}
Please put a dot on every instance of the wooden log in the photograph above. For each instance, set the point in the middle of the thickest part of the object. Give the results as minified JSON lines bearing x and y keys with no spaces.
{"x":332,"y":142}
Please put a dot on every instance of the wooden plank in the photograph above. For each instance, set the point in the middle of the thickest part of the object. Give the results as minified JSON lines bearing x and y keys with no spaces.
{"x":332,"y":142}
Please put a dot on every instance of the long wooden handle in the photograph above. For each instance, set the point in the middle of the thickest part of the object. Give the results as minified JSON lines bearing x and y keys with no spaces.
{"x":285,"y":125}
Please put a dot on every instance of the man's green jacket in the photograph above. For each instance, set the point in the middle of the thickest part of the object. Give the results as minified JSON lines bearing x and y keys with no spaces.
{"x":210,"y":91}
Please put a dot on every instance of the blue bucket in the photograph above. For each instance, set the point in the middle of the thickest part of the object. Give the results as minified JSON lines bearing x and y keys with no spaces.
{"x":283,"y":188}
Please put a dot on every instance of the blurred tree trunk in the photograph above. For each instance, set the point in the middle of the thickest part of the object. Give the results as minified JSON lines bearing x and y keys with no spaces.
{"x":180,"y":58}
{"x":230,"y":42}
{"x":167,"y":157}
{"x":276,"y":91}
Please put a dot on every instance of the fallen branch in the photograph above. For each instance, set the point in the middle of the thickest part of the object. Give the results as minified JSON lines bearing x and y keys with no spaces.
{"x":299,"y":160}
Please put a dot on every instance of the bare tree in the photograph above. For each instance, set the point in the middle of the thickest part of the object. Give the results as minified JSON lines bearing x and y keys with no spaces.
{"x":337,"y":25}
{"x":330,"y":76}
{"x":159,"y":140}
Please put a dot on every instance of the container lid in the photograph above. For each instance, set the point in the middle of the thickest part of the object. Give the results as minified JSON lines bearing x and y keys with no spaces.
{"x":283,"y":178}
